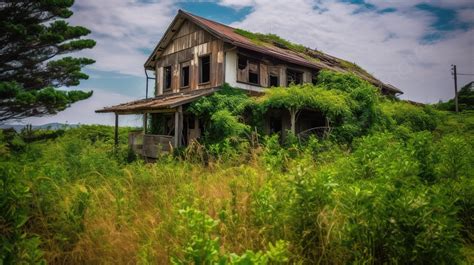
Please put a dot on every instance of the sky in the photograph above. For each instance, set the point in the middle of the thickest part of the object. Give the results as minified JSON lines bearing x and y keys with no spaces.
{"x":410,"y":44}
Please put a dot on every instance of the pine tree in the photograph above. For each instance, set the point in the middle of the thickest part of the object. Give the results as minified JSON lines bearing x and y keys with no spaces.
{"x":32,"y":33}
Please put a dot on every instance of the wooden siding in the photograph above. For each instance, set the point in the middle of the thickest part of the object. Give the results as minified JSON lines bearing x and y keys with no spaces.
{"x":267,"y":66}
{"x":189,"y":44}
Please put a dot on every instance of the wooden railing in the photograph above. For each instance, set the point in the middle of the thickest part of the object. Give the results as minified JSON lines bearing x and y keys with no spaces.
{"x":150,"y":145}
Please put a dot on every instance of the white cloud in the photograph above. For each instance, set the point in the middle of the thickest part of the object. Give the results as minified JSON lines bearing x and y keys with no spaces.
{"x":83,"y":112}
{"x":467,"y":15}
{"x":122,"y":29}
{"x":237,"y":4}
{"x":387,"y":45}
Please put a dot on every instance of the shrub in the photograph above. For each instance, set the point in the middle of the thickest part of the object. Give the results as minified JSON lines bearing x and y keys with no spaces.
{"x":407,"y":224}
{"x":17,"y":246}
{"x":204,"y":248}
{"x":416,"y":118}
{"x":455,"y":157}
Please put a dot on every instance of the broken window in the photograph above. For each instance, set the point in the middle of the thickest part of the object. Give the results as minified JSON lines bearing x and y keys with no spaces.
{"x":294,"y":77}
{"x":205,"y":69}
{"x":274,"y":82}
{"x":242,"y":63}
{"x":253,"y":73}
{"x":185,"y":75}
{"x":248,"y":71}
{"x":167,"y":78}
{"x":273,"y":77}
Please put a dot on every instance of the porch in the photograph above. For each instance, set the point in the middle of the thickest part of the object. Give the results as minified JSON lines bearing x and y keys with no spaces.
{"x":175,"y":128}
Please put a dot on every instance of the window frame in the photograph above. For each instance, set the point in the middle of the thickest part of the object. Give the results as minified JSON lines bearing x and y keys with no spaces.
{"x":200,"y":68}
{"x":250,"y":61}
{"x":299,"y":72}
{"x":274,"y":71}
{"x":170,"y":88}
{"x":181,"y":76}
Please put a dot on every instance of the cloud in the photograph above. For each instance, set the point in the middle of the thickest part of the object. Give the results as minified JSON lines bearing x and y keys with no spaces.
{"x":389,"y":45}
{"x":237,"y":4}
{"x":123,"y":29}
{"x":467,"y":15}
{"x":83,"y":112}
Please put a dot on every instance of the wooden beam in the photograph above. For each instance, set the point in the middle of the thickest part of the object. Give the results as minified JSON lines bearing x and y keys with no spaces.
{"x":293,"y":120}
{"x":145,"y":122}
{"x":176,"y":129}
{"x":180,"y":125}
{"x":116,"y":129}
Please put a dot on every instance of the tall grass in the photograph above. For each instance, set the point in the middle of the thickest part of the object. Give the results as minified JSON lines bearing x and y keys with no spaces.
{"x":385,"y":198}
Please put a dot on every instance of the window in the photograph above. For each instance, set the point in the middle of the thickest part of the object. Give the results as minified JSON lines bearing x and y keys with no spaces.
{"x":274,"y":82}
{"x":294,"y":77}
{"x":167,"y":78}
{"x":205,"y":69}
{"x":273,"y":77}
{"x":253,"y":73}
{"x":242,"y":63}
{"x":184,"y":75}
{"x":248,"y":70}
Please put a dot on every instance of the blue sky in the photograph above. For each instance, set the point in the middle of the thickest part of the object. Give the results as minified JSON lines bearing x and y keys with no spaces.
{"x":410,"y":44}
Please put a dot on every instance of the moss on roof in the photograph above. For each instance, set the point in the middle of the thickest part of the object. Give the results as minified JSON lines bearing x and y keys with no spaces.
{"x":309,"y":54}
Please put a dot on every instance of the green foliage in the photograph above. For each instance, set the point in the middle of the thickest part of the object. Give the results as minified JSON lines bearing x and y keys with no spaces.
{"x":465,"y":100}
{"x":16,"y":244}
{"x":204,"y":248}
{"x":34,"y":32}
{"x":456,"y":157}
{"x":389,"y":223}
{"x":222,"y":114}
{"x":415,"y":118}
{"x":274,"y":39}
{"x":397,"y":189}
{"x":332,"y":103}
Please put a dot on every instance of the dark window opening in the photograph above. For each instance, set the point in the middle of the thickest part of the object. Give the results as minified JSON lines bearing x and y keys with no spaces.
{"x":294,"y":77}
{"x":185,"y":76}
{"x":242,"y":62}
{"x":275,"y":125}
{"x":167,"y":78}
{"x":273,"y":81}
{"x":205,"y":69}
{"x":314,"y":78}
{"x":253,"y":73}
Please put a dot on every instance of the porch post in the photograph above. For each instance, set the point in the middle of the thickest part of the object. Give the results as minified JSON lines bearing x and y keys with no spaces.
{"x":176,"y":129}
{"x":180,"y":125}
{"x":293,"y":120}
{"x":145,"y":122}
{"x":116,"y":129}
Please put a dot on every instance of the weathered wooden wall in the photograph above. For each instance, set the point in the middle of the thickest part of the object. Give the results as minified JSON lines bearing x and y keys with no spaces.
{"x":266,"y":66}
{"x":190,"y":43}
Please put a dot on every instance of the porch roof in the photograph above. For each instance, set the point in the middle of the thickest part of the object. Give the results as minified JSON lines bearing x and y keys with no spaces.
{"x":166,"y":101}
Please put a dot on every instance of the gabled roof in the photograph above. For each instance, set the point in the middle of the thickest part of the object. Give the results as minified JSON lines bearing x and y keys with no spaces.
{"x":308,"y":58}
{"x":167,"y":101}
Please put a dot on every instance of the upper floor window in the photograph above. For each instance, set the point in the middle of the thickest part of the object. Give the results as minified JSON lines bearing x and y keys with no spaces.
{"x":184,"y":75}
{"x":205,"y":69}
{"x":273,"y":77}
{"x":294,"y":77}
{"x":248,"y":70}
{"x":166,"y":78}
{"x":254,"y":75}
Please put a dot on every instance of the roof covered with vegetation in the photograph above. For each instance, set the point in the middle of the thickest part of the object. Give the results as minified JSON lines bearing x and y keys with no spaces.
{"x":270,"y":45}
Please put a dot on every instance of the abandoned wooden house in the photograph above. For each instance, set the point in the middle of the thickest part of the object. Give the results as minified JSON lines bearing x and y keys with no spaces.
{"x":196,"y":56}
